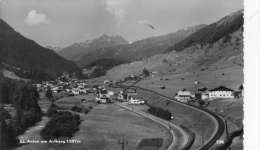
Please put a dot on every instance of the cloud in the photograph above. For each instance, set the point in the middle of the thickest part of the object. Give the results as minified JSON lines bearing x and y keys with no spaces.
{"x":143,"y":22}
{"x":117,"y":8}
{"x":36,"y":18}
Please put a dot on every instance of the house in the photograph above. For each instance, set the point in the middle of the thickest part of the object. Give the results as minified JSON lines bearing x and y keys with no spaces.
{"x":135,"y":101}
{"x":183,"y":96}
{"x":130,"y":93}
{"x":75,"y":91}
{"x":221,"y":92}
{"x":102,"y":99}
{"x":202,"y":95}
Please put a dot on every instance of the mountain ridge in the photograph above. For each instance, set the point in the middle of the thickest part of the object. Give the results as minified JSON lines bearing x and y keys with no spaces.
{"x":24,"y":53}
{"x":220,"y":62}
{"x":137,"y":50}
{"x":212,"y":32}
{"x":76,"y":50}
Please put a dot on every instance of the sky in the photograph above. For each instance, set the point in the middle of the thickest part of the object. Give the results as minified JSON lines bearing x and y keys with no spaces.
{"x":64,"y":22}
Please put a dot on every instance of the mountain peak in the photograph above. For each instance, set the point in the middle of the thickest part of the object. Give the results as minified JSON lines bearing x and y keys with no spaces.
{"x":230,"y":18}
{"x":75,"y":51}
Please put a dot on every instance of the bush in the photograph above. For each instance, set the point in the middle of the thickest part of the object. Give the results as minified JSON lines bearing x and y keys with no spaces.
{"x":163,"y":87}
{"x":76,"y":108}
{"x":4,"y":114}
{"x":85,"y":110}
{"x":62,"y":125}
{"x":159,"y":112}
{"x":52,"y":110}
{"x":146,"y":72}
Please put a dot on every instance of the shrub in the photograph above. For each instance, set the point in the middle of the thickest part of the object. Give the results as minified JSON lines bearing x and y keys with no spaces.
{"x":62,"y":125}
{"x":52,"y":110}
{"x":159,"y":112}
{"x":85,"y":110}
{"x":163,"y":87}
{"x":146,"y":72}
{"x":76,"y":108}
{"x":4,"y":114}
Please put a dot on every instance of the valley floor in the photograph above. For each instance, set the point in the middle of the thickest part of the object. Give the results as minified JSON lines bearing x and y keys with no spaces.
{"x":104,"y":126}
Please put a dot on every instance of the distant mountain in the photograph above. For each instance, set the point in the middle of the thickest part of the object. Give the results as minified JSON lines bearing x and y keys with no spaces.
{"x":212,"y":32}
{"x":17,"y":51}
{"x":75,"y":51}
{"x":137,"y":50}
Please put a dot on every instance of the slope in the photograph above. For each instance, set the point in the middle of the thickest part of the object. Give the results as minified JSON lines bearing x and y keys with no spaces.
{"x":25,"y":54}
{"x":217,"y":63}
{"x":212,"y":32}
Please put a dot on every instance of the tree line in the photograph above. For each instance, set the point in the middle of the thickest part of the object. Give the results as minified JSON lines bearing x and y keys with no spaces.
{"x":159,"y":112}
{"x":23,"y":97}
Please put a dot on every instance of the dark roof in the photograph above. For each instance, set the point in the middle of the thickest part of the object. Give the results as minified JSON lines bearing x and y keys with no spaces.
{"x":221,"y":88}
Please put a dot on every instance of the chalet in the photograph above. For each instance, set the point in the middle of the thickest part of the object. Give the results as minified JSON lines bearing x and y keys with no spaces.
{"x":183,"y":96}
{"x":121,"y":96}
{"x":102,"y":99}
{"x":130,"y":93}
{"x":221,"y":92}
{"x":135,"y":101}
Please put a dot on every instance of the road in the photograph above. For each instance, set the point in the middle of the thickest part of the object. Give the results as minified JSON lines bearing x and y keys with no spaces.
{"x":180,"y":138}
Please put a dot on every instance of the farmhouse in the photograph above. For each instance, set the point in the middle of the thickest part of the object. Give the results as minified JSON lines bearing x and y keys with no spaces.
{"x":221,"y":92}
{"x":133,"y":100}
{"x":183,"y":96}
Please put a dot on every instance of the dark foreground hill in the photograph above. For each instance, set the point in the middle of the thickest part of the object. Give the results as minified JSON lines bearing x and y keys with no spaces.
{"x":29,"y":57}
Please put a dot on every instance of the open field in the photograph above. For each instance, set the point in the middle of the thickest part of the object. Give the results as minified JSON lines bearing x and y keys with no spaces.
{"x":104,"y":126}
{"x":69,"y":102}
{"x":230,"y":77}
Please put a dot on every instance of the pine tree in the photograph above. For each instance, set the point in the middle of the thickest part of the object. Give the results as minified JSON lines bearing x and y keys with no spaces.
{"x":49,"y":94}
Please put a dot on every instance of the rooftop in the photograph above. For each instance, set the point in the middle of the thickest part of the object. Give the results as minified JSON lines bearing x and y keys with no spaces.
{"x":221,"y":88}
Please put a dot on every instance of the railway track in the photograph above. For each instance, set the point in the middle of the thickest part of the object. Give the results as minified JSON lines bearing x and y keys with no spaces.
{"x":218,"y":120}
{"x":176,"y":143}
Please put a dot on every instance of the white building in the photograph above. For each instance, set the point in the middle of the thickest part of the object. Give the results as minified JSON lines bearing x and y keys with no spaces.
{"x":220,"y":92}
{"x":183,"y":96}
{"x":135,"y":101}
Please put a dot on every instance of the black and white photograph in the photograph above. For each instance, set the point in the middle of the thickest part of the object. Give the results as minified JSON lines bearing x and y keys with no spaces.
{"x":122,"y":74}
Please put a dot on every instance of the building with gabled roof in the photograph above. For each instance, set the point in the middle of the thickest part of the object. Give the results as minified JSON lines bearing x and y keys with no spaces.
{"x":221,"y":92}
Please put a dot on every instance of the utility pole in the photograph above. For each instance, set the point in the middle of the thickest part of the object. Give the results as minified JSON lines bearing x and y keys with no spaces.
{"x":157,"y":145}
{"x":123,"y":142}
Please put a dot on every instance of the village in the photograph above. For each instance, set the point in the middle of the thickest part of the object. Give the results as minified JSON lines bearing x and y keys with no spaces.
{"x":74,"y":87}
